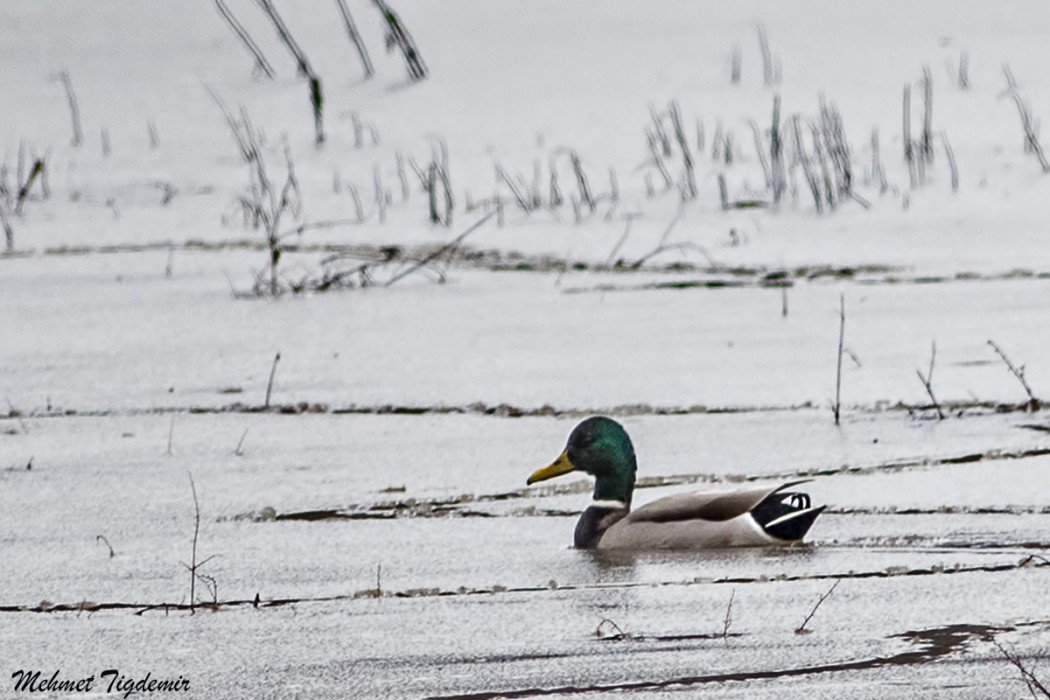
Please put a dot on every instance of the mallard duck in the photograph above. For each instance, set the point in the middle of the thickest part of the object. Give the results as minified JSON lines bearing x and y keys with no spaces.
{"x":600,"y":447}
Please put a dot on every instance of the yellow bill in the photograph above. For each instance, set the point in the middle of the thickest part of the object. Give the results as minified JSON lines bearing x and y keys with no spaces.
{"x":560,"y":466}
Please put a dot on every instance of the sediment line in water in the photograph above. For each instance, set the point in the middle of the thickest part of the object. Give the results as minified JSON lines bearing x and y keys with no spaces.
{"x":505,"y":410}
{"x":929,"y":645}
{"x":1029,"y":562}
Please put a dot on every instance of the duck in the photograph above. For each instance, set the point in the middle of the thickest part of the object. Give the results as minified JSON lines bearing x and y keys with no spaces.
{"x":748,"y":517}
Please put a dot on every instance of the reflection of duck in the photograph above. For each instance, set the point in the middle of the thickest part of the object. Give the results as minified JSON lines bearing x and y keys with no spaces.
{"x":748,"y":517}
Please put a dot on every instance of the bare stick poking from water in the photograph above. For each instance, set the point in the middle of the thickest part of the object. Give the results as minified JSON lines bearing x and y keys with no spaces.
{"x":194,"y":564}
{"x":838,"y":369}
{"x":102,"y":538}
{"x":927,"y":381}
{"x":239,"y":451}
{"x":1033,"y":403}
{"x":269,"y":384}
{"x":1035,"y":687}
{"x":802,"y":628}
{"x":171,"y":434}
{"x":261,"y":64}
{"x":729,"y":617}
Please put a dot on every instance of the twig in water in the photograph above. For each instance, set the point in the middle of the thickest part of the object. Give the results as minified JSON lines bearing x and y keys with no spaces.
{"x":1033,"y":403}
{"x":194,"y":564}
{"x":397,"y":35}
{"x":239,"y":450}
{"x":1027,"y":676}
{"x":729,"y":617}
{"x":171,"y":433}
{"x":838,"y":368}
{"x":452,"y":245}
{"x":600,"y":633}
{"x":74,"y":109}
{"x":927,"y":381}
{"x":802,"y":628}
{"x":269,"y":384}
{"x":1031,"y":138}
{"x":950,"y":153}
{"x":102,"y":538}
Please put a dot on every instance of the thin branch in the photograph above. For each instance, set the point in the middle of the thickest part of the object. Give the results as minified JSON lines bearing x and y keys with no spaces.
{"x":927,"y":381}
{"x":426,"y":260}
{"x":1033,"y":403}
{"x":838,"y":369}
{"x":802,"y":628}
{"x":355,"y":38}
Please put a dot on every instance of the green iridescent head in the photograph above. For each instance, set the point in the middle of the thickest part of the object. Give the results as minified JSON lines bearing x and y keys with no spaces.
{"x":600,"y":447}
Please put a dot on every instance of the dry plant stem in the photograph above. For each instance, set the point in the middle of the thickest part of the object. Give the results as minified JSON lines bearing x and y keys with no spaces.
{"x":729,"y":617}
{"x":689,"y":185}
{"x":261,"y":64}
{"x":196,"y":534}
{"x":355,"y":38}
{"x":273,"y":374}
{"x":768,"y":73}
{"x":286,"y":38}
{"x":776,"y":153}
{"x":397,"y":34}
{"x":802,"y":628}
{"x":239,"y":450}
{"x":1033,"y":403}
{"x":927,"y":381}
{"x":23,"y":192}
{"x":909,"y":146}
{"x":1027,"y":676}
{"x":9,"y":233}
{"x":927,"y":115}
{"x":1031,"y":139}
{"x":74,"y":109}
{"x":950,"y":154}
{"x":452,"y":245}
{"x":838,"y":367}
{"x":807,"y":167}
{"x":171,"y":434}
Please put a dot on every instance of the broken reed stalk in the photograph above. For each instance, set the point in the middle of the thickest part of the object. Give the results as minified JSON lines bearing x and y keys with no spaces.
{"x":838,"y":364}
{"x":927,"y":380}
{"x":398,"y":35}
{"x":776,"y":153}
{"x":878,"y":173}
{"x":950,"y":154}
{"x":964,"y":71}
{"x":171,"y":434}
{"x":734,"y":65}
{"x":1027,"y":675}
{"x":689,"y":182}
{"x":818,"y":149}
{"x":807,"y":166}
{"x":760,"y":150}
{"x":450,"y":246}
{"x":355,"y":39}
{"x":581,"y":180}
{"x":74,"y":109}
{"x":802,"y":628}
{"x":261,"y":64}
{"x":1033,"y":403}
{"x":768,"y":73}
{"x":9,"y":233}
{"x":1031,"y":138}
{"x":927,"y":115}
{"x":909,"y":145}
{"x":269,"y":384}
{"x":317,"y":103}
{"x":286,"y":38}
{"x":239,"y":450}
{"x":38,"y":170}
